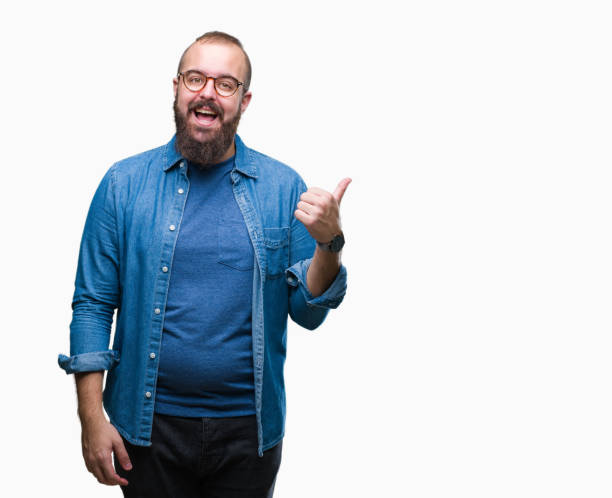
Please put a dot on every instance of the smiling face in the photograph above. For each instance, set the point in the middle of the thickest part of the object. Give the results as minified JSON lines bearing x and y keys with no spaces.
{"x":205,"y":121}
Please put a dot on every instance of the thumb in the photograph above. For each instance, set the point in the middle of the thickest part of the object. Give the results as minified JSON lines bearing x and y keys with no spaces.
{"x":341,"y":188}
{"x":121,"y":454}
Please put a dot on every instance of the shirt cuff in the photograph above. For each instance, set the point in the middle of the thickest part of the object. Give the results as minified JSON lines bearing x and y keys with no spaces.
{"x":88,"y":362}
{"x":333,"y":295}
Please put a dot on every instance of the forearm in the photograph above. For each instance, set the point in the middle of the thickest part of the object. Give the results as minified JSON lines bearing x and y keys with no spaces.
{"x":89,"y":394}
{"x":322,"y":271}
{"x":100,"y":440}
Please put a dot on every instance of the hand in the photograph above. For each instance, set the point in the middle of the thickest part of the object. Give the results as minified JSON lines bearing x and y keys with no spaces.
{"x":319,"y":211}
{"x":99,"y":439}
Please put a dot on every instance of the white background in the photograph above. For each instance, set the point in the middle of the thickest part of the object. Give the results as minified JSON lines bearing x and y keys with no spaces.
{"x":471,"y":355}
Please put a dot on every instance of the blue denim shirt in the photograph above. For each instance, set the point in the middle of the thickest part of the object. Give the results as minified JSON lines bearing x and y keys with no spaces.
{"x":125,"y":261}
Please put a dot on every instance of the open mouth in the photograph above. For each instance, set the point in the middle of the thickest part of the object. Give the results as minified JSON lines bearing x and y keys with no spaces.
{"x":205,"y":117}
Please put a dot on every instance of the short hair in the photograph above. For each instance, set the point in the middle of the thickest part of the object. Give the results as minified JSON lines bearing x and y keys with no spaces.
{"x":220,"y":36}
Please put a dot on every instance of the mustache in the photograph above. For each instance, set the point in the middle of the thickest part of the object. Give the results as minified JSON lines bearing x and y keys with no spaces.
{"x":208,"y":104}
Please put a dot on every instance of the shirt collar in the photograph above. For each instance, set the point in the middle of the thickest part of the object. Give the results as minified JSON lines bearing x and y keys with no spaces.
{"x":245,"y":163}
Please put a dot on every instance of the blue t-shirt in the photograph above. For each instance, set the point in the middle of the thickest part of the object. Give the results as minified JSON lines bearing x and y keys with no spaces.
{"x":206,"y":357}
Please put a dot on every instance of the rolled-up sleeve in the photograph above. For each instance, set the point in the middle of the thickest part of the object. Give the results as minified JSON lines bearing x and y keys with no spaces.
{"x":304,"y":309}
{"x":331,"y":298}
{"x":88,"y":362}
{"x":97,"y":288}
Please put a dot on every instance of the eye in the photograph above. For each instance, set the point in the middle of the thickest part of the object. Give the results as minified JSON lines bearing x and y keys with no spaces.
{"x":226,"y":84}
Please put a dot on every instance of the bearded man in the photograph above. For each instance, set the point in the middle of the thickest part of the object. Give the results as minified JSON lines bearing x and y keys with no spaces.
{"x":204,"y":247}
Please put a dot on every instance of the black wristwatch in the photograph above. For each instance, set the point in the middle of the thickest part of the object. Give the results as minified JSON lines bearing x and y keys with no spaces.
{"x":335,"y":245}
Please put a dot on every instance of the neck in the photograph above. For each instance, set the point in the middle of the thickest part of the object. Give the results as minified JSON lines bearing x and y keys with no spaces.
{"x":228,"y":153}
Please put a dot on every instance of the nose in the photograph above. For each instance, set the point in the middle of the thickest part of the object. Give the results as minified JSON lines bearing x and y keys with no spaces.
{"x":209,"y":91}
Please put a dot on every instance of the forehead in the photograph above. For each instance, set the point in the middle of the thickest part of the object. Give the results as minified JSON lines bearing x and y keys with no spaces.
{"x":215,"y":59}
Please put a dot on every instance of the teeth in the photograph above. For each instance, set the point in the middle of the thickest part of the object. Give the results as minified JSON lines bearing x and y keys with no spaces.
{"x":209,"y":113}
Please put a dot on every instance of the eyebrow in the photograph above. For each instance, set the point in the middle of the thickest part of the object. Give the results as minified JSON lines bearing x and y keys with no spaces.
{"x":219,"y":76}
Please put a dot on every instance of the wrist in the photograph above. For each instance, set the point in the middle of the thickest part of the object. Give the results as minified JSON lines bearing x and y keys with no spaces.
{"x":334,"y":245}
{"x":91,"y":416}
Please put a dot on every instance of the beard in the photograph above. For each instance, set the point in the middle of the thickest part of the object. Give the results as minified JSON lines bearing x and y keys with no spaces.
{"x":207,"y":152}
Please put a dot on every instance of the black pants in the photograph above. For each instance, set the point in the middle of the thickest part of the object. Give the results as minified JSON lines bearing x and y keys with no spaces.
{"x":201,"y":457}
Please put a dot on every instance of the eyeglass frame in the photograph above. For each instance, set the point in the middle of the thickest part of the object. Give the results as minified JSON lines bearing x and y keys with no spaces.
{"x":206,"y":78}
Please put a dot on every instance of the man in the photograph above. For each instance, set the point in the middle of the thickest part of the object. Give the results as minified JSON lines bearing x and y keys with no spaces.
{"x":204,"y":247}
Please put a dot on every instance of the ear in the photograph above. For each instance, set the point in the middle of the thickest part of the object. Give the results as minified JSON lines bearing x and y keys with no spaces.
{"x":175,"y":85}
{"x":246,"y":98}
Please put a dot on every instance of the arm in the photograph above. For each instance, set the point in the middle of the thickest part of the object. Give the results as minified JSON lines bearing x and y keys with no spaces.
{"x":323,"y":269}
{"x":317,"y":283}
{"x":319,"y":211}
{"x":99,"y":439}
{"x":97,"y":290}
{"x":95,"y":298}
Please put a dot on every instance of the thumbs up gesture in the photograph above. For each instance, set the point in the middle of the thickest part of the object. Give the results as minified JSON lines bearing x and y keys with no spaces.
{"x":319,"y":211}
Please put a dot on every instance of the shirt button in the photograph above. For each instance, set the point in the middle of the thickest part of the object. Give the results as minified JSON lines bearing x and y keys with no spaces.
{"x":152,"y":356}
{"x":157,"y":311}
{"x":172,"y":227}
{"x":164,"y":269}
{"x":180,"y":191}
{"x":148,"y":394}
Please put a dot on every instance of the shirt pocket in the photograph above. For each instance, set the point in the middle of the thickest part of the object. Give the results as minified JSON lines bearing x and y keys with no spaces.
{"x":234,"y":248}
{"x":276,"y":242}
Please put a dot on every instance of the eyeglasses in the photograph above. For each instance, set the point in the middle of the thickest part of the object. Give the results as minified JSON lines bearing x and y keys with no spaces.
{"x":225,"y":86}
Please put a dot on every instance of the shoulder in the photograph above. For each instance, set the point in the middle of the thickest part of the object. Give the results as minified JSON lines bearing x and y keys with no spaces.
{"x":143,"y":163}
{"x":275,"y":172}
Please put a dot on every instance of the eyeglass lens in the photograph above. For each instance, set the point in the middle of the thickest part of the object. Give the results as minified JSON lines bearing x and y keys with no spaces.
{"x":195,"y":81}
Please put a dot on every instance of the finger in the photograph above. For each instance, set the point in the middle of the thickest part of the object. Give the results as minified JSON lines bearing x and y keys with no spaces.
{"x":310,"y":198}
{"x":302,"y":216}
{"x":97,"y":469}
{"x":341,"y":188}
{"x":121,"y":454}
{"x":108,"y":472}
{"x":318,"y":191}
{"x":98,"y":474}
{"x":307,"y":208}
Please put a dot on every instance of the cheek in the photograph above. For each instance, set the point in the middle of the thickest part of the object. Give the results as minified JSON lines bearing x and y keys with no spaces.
{"x":183,"y":102}
{"x":184,"y":108}
{"x":231,"y":110}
